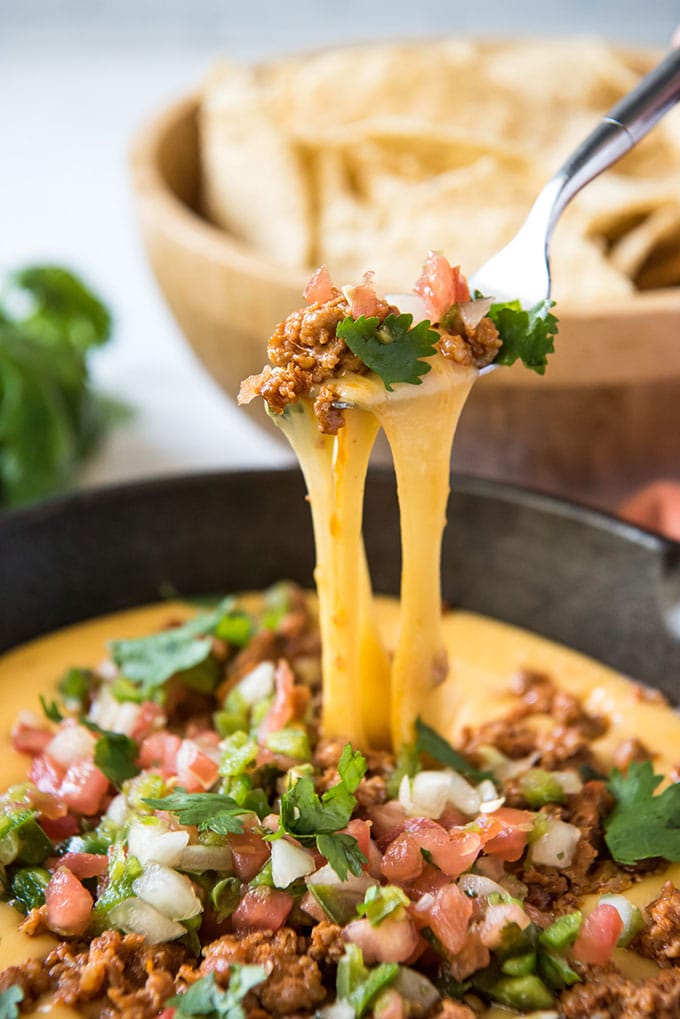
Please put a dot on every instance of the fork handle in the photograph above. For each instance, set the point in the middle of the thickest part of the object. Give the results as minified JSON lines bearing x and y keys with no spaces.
{"x":617,"y":132}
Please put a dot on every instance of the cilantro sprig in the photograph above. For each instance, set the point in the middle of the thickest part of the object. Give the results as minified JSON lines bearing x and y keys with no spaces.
{"x":311,"y":818}
{"x":114,"y":753}
{"x":10,"y":1001}
{"x":208,"y":811}
{"x":527,"y":335}
{"x":430,"y":742}
{"x":205,"y":998}
{"x":642,"y":825}
{"x":184,"y":650}
{"x":392,"y":348}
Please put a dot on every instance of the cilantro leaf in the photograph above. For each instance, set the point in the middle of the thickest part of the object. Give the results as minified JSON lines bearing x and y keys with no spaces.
{"x":320,"y":819}
{"x":51,"y":709}
{"x":205,"y":998}
{"x":114,"y":753}
{"x":50,"y":418}
{"x":10,"y":1001}
{"x":151,"y":661}
{"x":642,"y":825}
{"x":430,"y":742}
{"x":392,"y":349}
{"x":213,"y":811}
{"x":527,"y":335}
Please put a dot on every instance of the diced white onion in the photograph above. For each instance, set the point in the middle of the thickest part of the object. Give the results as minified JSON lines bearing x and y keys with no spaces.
{"x":290,"y":862}
{"x":107,"y":670}
{"x":258,"y":683}
{"x":70,"y":744}
{"x":569,"y":780}
{"x":338,"y":1010}
{"x":409,"y":304}
{"x":509,"y":768}
{"x":480,"y":886}
{"x":199,"y":858}
{"x":134,"y":916}
{"x":326,"y":876}
{"x":117,"y":810}
{"x":153,"y":842}
{"x":416,"y":988}
{"x":114,"y":715}
{"x":172,"y":894}
{"x":555,"y":848}
{"x":489,"y":798}
{"x":472,"y":312}
{"x":428,"y":793}
{"x":631,"y":916}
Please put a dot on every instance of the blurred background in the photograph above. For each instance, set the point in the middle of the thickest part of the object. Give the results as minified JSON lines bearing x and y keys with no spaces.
{"x":78,"y":79}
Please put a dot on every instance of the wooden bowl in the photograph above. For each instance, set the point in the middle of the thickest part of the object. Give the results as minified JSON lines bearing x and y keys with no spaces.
{"x":603,"y":420}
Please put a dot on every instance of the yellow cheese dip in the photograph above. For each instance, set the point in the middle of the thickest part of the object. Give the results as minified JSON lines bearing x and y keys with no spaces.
{"x":483,"y":656}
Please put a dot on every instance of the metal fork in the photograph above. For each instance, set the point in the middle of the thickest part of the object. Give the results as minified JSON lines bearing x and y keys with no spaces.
{"x":522,"y":268}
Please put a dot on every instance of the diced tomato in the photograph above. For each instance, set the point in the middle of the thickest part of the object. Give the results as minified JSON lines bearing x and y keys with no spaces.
{"x":167,"y":1013}
{"x":430,"y":881}
{"x":441,"y":285}
{"x":262,"y":909}
{"x":394,"y":940}
{"x":69,"y":905}
{"x":599,"y":934}
{"x":282,"y":710}
{"x":388,"y":821}
{"x":320,"y":287}
{"x":497,"y":919}
{"x":453,"y":852}
{"x":84,"y":787}
{"x":84,"y":865}
{"x":159,"y":750}
{"x":505,"y":832}
{"x":361,"y":831}
{"x":59,"y":828}
{"x":447,"y":913}
{"x":151,"y":715}
{"x":250,"y":854}
{"x":46,"y":774}
{"x":29,"y":739}
{"x":363,"y":299}
{"x":195,"y":770}
{"x":389,"y":1005}
{"x":402,"y":861}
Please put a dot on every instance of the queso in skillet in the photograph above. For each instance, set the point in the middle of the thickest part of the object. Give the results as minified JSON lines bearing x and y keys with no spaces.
{"x":468,"y":821}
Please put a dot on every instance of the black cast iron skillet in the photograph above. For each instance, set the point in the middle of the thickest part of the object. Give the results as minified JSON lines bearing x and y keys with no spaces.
{"x":568,"y":573}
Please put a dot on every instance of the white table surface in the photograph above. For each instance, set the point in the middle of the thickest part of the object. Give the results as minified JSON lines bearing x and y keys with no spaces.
{"x":75,"y":83}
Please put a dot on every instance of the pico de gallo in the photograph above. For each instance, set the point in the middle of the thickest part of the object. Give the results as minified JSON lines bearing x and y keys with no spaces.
{"x":197,"y":848}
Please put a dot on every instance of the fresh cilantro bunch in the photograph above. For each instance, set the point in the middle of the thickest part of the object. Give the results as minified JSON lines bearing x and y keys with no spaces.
{"x":50,"y":418}
{"x":642,"y":825}
{"x":392,"y":349}
{"x":311,"y":818}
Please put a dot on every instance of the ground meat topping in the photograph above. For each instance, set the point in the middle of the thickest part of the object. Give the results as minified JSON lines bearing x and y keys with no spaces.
{"x":605,"y":994}
{"x":294,"y":980}
{"x":660,"y":939}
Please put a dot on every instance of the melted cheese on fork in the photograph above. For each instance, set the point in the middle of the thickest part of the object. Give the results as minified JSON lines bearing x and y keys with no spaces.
{"x":367,"y":699}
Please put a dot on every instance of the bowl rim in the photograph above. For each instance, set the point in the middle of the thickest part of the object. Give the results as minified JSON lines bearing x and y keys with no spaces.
{"x":558,"y":506}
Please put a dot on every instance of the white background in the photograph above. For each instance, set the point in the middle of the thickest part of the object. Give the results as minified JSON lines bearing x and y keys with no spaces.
{"x":78,"y":77}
